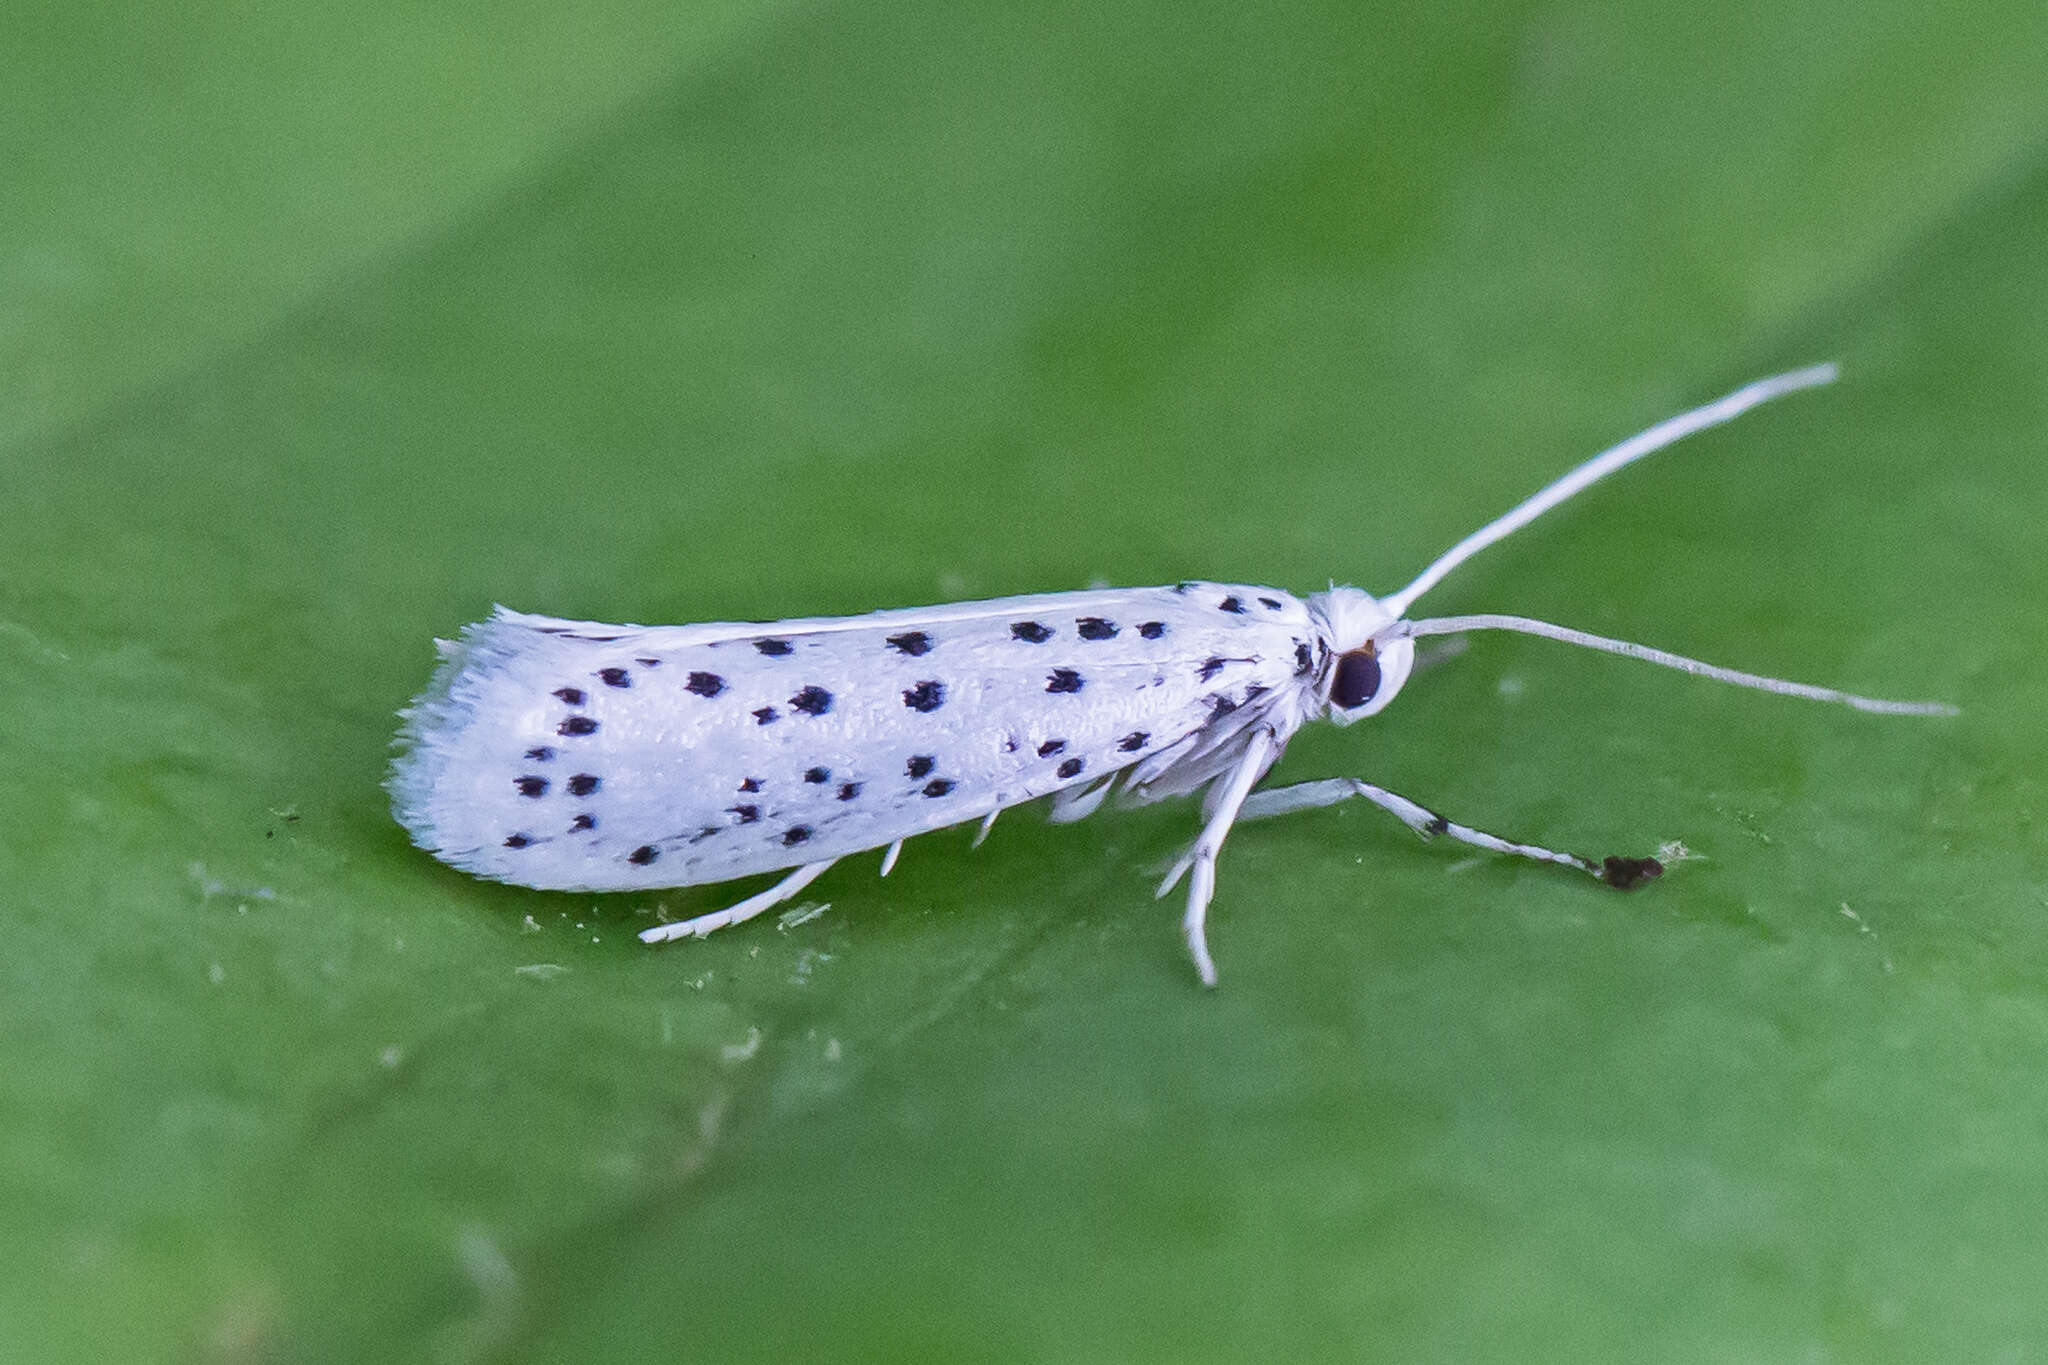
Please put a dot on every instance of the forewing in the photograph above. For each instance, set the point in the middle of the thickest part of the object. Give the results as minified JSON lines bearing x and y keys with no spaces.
{"x":574,"y":755}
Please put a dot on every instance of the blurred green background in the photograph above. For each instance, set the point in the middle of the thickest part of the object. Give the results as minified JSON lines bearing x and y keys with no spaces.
{"x":323,"y":328}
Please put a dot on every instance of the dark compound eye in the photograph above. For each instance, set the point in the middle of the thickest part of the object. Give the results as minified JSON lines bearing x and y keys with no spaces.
{"x":1358,"y":678}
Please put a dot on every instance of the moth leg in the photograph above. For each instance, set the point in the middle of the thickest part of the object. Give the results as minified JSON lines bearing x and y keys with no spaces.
{"x":753,"y":905}
{"x":1618,"y":872}
{"x":1201,"y":859}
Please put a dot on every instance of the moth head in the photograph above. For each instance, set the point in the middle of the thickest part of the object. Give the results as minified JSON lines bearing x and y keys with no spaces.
{"x":1370,"y":661}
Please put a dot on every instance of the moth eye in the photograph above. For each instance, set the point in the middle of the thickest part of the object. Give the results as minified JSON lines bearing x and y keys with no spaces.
{"x":1358,"y":678}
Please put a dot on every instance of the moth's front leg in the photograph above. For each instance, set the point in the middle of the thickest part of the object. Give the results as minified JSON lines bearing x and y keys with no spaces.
{"x":1615,"y":871}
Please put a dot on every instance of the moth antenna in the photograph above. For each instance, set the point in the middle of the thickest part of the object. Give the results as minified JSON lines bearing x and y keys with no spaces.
{"x":1666,"y":432}
{"x":1454,"y":625}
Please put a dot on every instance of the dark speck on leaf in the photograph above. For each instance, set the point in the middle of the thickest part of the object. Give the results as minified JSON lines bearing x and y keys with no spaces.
{"x":1624,"y":873}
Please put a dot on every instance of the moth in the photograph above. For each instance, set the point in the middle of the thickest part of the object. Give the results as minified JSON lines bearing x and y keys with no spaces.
{"x":575,"y":756}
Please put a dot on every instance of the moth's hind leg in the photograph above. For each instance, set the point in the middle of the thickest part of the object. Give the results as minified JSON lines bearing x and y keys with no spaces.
{"x":1201,"y":859}
{"x":1619,"y":872}
{"x":753,"y":905}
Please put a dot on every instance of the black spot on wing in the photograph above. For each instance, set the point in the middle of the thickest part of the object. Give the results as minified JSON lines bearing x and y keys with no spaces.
{"x":1270,"y":603}
{"x":577,"y":725}
{"x":643,"y":855}
{"x":1209,"y":669}
{"x":812,"y":701}
{"x":1304,"y":662}
{"x":583,"y":821}
{"x":572,"y":695}
{"x":938,"y":786}
{"x":540,"y":755}
{"x":774,"y":649}
{"x":920,"y":765}
{"x":926,"y":696}
{"x":848,"y":790}
{"x":818,"y":775}
{"x":911,"y":642}
{"x":531,"y":786}
{"x":1064,"y":680}
{"x":615,"y":677}
{"x":1031,"y":632}
{"x":796,"y":834}
{"x":1095,"y":628}
{"x":518,"y":840}
{"x":705,"y":684}
{"x":583,"y":784}
{"x":648,"y":663}
{"x":764,"y":715}
{"x":1133,"y":741}
{"x":746,"y":815}
{"x":1071,"y":768}
{"x":1051,"y":747}
{"x":750,"y":784}
{"x":1152,"y":630}
{"x":1221,"y":706}
{"x":1232,"y":605}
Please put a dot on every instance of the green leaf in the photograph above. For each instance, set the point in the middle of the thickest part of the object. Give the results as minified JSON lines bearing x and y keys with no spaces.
{"x":317,"y":337}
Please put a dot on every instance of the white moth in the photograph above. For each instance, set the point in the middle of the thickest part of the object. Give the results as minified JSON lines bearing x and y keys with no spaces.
{"x":574,"y":756}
